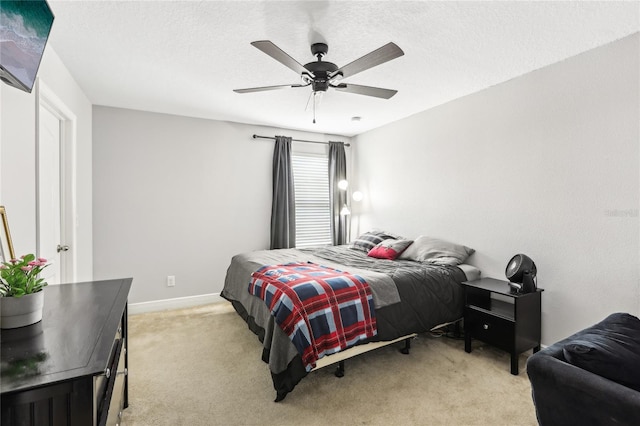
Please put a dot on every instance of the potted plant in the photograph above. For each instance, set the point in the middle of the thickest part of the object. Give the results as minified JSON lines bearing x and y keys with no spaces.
{"x":21,"y":295}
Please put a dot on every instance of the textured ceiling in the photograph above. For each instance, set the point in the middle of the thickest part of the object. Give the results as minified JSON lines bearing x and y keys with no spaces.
{"x":186,"y":57}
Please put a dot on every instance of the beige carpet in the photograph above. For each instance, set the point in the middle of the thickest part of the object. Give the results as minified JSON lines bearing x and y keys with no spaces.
{"x":201,"y":366}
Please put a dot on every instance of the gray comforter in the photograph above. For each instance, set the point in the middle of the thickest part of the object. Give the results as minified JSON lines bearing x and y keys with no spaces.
{"x":410,"y":297}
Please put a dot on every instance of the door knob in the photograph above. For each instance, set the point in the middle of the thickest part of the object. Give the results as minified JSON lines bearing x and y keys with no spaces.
{"x":62,"y":248}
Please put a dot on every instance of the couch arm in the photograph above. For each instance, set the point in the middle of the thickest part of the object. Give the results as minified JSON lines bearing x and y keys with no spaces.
{"x":564,"y":394}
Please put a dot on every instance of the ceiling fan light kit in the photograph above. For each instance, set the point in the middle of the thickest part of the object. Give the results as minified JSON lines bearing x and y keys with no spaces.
{"x":322,"y":75}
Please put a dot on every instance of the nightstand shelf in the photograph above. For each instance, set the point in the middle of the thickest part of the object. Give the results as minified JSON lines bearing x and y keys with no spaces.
{"x":498,"y":308}
{"x":507,"y":320}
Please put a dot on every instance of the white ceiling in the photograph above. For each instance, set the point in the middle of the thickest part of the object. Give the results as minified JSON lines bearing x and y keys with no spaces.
{"x":186,"y":57}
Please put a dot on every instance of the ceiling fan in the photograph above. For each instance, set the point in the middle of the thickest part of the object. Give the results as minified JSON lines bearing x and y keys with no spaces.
{"x":322,"y":75}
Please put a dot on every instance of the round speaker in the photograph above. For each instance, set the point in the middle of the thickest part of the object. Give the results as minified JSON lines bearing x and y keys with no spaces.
{"x":518,"y":265}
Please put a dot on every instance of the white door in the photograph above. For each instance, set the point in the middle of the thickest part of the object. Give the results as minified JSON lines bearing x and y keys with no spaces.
{"x":49,"y":195}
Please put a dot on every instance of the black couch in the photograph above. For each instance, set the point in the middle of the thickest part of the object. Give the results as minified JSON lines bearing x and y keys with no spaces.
{"x":591,"y":377}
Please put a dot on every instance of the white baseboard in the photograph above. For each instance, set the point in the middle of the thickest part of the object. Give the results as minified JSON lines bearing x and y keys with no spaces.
{"x":177,"y":303}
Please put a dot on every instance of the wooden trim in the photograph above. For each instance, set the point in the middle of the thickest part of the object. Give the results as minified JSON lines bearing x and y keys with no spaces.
{"x":176,"y":303}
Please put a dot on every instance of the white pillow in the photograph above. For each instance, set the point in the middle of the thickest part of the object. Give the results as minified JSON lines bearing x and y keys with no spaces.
{"x":434,"y":250}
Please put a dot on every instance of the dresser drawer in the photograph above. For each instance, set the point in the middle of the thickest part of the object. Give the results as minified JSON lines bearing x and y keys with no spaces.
{"x":494,"y":330}
{"x":115,"y":395}
{"x":102,"y":381}
{"x":109,"y":387}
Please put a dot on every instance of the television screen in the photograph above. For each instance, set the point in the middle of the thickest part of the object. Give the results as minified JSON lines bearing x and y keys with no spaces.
{"x":24,"y":30}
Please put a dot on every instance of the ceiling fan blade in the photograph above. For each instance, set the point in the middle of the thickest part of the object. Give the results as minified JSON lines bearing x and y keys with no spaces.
{"x":265,"y":88}
{"x":365,"y":90}
{"x":379,"y":56}
{"x":279,"y":55}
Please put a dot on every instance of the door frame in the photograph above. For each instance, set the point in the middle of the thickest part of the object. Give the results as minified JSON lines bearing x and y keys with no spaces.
{"x":47,"y":98}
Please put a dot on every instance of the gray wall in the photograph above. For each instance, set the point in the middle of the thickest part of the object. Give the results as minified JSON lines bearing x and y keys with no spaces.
{"x":178,"y":196}
{"x":546,"y":164}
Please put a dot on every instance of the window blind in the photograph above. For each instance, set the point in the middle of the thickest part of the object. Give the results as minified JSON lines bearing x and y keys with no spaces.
{"x":311,"y":185}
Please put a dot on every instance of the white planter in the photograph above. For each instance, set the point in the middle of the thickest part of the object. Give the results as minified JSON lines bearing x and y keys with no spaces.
{"x":21,"y":311}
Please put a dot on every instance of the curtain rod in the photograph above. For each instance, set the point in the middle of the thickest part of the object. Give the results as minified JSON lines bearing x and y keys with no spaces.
{"x":294,"y":140}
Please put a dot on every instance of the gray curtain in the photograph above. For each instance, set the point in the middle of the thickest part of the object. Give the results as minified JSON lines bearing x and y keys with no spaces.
{"x":283,"y":212}
{"x":337,"y":197}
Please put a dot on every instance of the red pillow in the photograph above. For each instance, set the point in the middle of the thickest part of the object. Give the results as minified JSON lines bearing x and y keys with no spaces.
{"x":389,"y":249}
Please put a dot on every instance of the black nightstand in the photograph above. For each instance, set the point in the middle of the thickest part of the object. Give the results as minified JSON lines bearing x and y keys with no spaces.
{"x":494,"y":314}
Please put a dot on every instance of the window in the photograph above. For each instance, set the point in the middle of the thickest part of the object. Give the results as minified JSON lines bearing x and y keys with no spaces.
{"x":313,"y":212}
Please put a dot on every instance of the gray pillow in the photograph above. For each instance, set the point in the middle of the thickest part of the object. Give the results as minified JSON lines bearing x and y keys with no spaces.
{"x":437,"y":251}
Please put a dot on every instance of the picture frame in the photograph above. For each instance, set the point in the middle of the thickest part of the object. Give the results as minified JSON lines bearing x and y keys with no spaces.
{"x":6,"y":245}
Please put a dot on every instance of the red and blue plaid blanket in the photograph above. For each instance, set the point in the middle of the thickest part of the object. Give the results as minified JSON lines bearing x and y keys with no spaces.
{"x":322,"y":310}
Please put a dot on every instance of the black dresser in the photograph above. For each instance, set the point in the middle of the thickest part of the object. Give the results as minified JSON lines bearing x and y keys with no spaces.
{"x":70,"y":368}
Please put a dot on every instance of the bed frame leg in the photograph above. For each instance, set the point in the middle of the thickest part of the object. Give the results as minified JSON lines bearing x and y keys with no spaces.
{"x":340,"y":369}
{"x":457,"y":329}
{"x":407,"y":346}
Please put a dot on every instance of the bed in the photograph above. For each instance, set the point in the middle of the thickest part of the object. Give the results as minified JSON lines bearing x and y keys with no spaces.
{"x":409,"y":297}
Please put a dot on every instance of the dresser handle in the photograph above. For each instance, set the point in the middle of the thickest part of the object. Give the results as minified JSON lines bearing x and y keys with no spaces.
{"x":107,"y":373}
{"x":485,"y":326}
{"x":125,"y":372}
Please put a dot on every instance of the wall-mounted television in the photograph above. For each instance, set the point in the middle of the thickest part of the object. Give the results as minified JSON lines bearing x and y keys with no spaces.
{"x":24,"y":31}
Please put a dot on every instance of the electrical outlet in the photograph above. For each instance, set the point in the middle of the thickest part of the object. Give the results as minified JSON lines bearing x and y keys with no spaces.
{"x":171,"y":280}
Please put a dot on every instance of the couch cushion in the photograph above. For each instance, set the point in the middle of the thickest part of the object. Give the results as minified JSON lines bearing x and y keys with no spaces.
{"x":610,"y":349}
